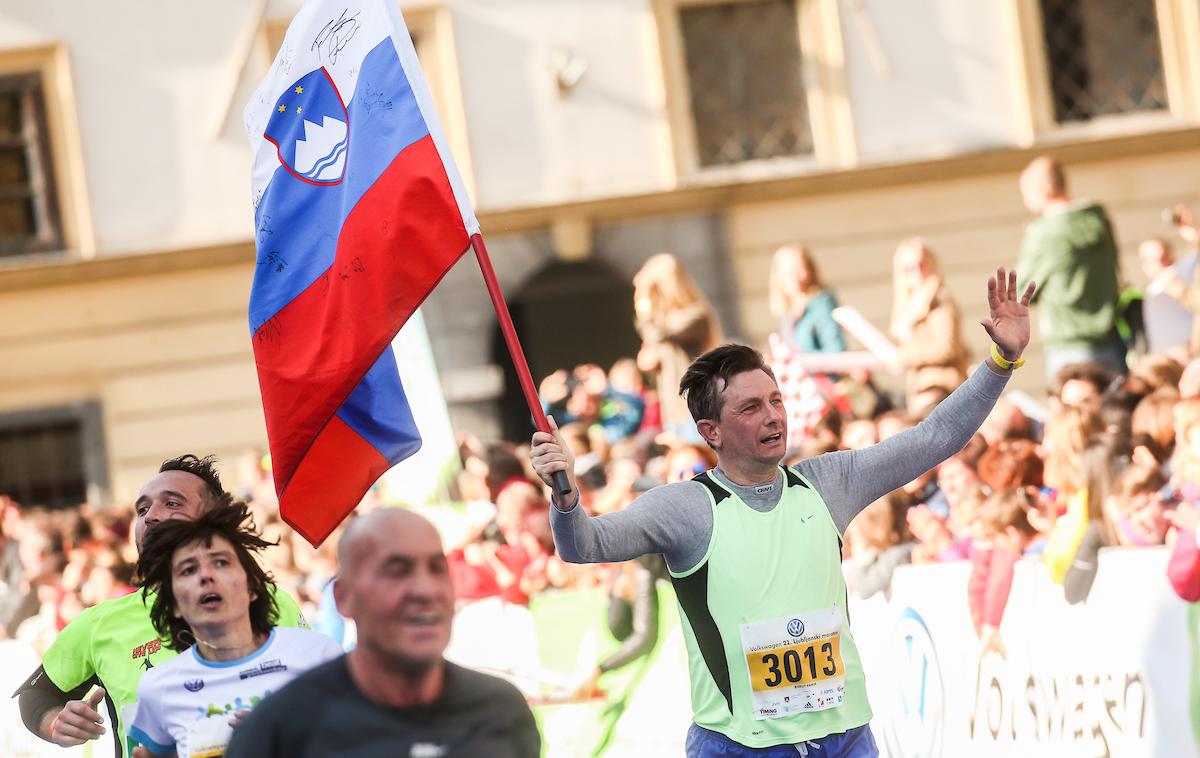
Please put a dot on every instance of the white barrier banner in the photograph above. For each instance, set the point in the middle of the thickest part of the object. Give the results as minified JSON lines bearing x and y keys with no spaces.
{"x":1108,"y":677}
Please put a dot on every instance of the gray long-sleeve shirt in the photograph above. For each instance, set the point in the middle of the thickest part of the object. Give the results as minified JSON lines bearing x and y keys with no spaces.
{"x":676,"y":519}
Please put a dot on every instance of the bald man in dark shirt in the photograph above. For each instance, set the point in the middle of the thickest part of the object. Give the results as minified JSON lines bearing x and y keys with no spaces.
{"x":394,"y":694}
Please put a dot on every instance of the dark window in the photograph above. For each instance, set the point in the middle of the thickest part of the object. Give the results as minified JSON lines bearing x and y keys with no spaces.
{"x":743,"y":67}
{"x":29,"y":217}
{"x":1104,"y":56}
{"x":52,"y":457}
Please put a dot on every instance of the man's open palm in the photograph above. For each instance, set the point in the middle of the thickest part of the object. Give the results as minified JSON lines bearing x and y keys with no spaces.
{"x":1009,"y":323}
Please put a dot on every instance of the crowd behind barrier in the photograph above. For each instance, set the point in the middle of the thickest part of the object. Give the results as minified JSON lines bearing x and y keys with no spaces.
{"x":1108,"y":459}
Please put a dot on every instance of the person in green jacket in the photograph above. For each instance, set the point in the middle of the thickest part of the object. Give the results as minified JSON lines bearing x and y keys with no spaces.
{"x":101,"y":655}
{"x":1070,"y":250}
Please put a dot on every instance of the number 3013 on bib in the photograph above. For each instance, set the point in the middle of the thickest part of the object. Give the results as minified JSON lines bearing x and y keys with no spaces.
{"x":795,"y":663}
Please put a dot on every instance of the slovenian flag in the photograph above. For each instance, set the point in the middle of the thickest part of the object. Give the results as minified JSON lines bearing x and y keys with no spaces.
{"x":359,"y":212}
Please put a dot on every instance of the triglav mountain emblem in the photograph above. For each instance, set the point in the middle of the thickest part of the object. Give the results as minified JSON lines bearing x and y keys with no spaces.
{"x":310,"y":128}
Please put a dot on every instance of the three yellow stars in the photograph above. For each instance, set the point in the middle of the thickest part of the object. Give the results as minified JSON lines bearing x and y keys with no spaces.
{"x":299,"y":109}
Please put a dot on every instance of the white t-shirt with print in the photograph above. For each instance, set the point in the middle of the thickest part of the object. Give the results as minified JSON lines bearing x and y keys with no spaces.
{"x":184,"y":705}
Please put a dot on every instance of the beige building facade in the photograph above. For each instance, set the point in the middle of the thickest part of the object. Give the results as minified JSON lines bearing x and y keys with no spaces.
{"x":592,"y":134}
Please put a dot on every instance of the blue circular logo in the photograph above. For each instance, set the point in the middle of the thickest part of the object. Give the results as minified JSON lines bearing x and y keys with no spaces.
{"x":916,"y":717}
{"x":795,"y":627}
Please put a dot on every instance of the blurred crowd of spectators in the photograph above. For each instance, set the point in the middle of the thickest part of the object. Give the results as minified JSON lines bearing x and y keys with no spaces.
{"x":1107,"y":458}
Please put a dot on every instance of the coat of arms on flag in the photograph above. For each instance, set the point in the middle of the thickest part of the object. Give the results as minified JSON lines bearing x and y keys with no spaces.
{"x":310,"y":128}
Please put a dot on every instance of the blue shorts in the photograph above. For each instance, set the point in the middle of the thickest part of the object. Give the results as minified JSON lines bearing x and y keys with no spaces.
{"x":856,"y":743}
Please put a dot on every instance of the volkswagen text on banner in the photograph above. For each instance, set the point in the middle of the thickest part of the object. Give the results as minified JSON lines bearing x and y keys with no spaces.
{"x":359,"y":212}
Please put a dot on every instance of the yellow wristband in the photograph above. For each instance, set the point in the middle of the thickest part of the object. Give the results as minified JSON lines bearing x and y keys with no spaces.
{"x":1003,"y":362}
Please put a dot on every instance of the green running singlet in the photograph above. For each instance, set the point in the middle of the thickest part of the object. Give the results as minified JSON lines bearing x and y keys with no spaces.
{"x":770,"y":653}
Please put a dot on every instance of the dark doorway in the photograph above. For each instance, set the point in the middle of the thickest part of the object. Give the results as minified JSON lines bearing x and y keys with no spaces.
{"x":565,"y":314}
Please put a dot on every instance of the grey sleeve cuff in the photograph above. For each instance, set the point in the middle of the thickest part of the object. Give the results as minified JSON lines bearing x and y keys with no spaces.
{"x":573,"y":505}
{"x":991,"y":383}
{"x":563,"y":525}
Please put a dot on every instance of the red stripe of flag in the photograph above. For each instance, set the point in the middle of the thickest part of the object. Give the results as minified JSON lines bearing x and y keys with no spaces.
{"x":304,"y":353}
{"x":330,"y":481}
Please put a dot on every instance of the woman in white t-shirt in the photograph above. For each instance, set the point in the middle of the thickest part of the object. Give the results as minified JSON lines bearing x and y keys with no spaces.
{"x":212,"y":602}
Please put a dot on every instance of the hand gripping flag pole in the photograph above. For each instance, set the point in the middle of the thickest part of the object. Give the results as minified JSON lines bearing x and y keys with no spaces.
{"x":562,"y":486}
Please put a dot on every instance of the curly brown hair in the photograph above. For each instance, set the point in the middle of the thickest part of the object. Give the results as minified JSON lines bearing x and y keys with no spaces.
{"x":235,"y":524}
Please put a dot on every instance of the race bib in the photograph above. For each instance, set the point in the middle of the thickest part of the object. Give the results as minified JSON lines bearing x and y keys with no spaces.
{"x":795,"y":663}
{"x":208,"y":738}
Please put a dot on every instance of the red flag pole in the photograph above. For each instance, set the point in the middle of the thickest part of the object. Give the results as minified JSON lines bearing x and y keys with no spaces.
{"x":561,"y":484}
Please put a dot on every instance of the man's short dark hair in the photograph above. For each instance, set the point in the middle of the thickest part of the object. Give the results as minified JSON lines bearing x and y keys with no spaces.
{"x":709,"y":374}
{"x":205,"y":469}
{"x":236,"y":525}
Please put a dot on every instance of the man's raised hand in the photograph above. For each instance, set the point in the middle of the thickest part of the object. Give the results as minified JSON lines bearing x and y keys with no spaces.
{"x":1009,"y":323}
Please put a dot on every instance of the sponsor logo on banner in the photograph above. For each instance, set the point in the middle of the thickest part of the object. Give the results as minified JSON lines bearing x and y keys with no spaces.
{"x":1086,"y":712}
{"x":1108,"y":677}
{"x":796,"y":628}
{"x":916,"y":717}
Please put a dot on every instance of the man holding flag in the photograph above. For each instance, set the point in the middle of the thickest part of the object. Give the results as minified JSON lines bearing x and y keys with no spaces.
{"x":754,"y":547}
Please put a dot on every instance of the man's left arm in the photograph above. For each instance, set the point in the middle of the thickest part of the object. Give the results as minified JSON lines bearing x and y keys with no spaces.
{"x":850,"y":480}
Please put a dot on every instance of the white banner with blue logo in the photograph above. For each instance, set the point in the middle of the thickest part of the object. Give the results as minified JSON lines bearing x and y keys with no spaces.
{"x":1108,"y":677}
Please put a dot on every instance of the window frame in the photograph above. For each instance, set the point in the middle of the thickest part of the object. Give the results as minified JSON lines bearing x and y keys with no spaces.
{"x":65,"y":177}
{"x":822,"y":61}
{"x":1179,"y":40}
{"x":89,"y":415}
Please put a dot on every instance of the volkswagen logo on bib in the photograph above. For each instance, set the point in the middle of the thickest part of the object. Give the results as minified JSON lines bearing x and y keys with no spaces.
{"x":796,"y":627}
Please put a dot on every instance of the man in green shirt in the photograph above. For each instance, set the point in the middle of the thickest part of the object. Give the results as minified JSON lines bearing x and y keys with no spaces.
{"x":754,"y":548}
{"x":110,"y":645}
{"x":1070,"y":251}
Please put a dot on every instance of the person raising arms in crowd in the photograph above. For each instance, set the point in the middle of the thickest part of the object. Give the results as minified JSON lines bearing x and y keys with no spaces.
{"x":108,"y":647}
{"x":212,"y":602}
{"x":754,"y":548}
